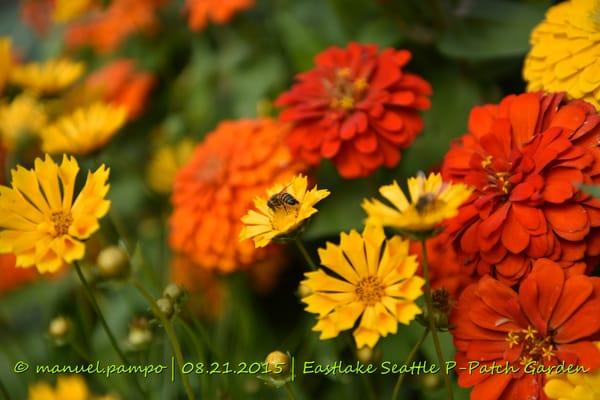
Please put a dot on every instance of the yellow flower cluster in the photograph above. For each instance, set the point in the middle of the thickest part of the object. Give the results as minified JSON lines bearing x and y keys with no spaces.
{"x":67,"y":387}
{"x":565,"y":51}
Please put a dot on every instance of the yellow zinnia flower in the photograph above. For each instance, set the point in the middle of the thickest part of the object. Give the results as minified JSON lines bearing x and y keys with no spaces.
{"x":565,"y":52}
{"x":85,"y":130}
{"x":165,"y":163}
{"x":71,"y":387}
{"x":6,"y":60}
{"x":47,"y":77}
{"x":24,"y":115}
{"x":583,"y":386}
{"x":379,"y":285}
{"x":41,"y":222}
{"x":284,"y":209}
{"x":432,"y":201}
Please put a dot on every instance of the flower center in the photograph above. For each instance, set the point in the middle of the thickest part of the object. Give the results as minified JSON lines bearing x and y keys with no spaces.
{"x":496,"y":180}
{"x":534,"y":346}
{"x":211,"y":169}
{"x":370,"y":290}
{"x":427,"y":202}
{"x":62,"y":220}
{"x":345,"y":91}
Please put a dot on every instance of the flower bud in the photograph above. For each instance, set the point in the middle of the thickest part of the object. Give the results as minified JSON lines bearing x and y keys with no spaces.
{"x":431,"y":382}
{"x":304,"y":291}
{"x":59,"y":330}
{"x":173,"y":292}
{"x":140,"y":332}
{"x":278,"y":364}
{"x":165,"y":305}
{"x":364,"y":354}
{"x":441,"y":308}
{"x":113,"y":262}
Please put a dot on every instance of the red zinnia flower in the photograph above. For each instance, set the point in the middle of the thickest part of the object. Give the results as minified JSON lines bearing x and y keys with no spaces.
{"x":526,"y":159}
{"x":12,"y":277}
{"x":357,"y":107}
{"x":553,"y":319}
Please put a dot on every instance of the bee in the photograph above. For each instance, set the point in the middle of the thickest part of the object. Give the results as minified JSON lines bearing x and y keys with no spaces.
{"x":424,"y":200}
{"x":281,"y":200}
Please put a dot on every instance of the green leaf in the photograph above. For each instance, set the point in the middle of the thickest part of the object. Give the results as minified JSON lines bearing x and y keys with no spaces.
{"x":492,"y":29}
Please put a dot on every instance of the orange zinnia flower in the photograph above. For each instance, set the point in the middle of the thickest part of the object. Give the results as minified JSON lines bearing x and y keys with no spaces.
{"x":445,"y":269}
{"x":552,"y":319}
{"x":217,"y":11}
{"x":120,"y":84}
{"x":237,"y":162}
{"x":12,"y":277}
{"x":105,"y":29}
{"x":526,"y":159}
{"x":358,"y":107}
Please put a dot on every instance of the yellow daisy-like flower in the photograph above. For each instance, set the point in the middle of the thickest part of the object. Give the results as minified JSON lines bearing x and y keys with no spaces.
{"x":47,"y":77}
{"x":6,"y":60}
{"x":431,"y":202}
{"x":85,"y":130}
{"x":67,"y":10}
{"x":41,"y":220}
{"x":71,"y":387}
{"x":584,"y":386}
{"x":24,"y":115}
{"x":284,"y":209}
{"x":165,"y":163}
{"x":565,"y":52}
{"x":370,"y":280}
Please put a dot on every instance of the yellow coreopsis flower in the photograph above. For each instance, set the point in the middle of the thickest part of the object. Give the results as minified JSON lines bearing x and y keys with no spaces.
{"x":71,"y":387}
{"x":284,"y":209}
{"x":379,"y":285}
{"x":165,"y":163}
{"x":565,"y":51}
{"x":584,"y":386}
{"x":47,"y":77}
{"x":6,"y":60}
{"x":431,"y":202}
{"x":42,"y":221}
{"x":85,"y":130}
{"x":23,"y":115}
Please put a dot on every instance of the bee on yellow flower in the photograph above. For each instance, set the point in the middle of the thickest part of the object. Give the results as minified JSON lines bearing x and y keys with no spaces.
{"x":374,"y":278}
{"x":42,"y":221}
{"x":85,"y":130}
{"x":46,"y":77}
{"x":431,"y":202}
{"x":22,"y":116}
{"x":286,"y":207}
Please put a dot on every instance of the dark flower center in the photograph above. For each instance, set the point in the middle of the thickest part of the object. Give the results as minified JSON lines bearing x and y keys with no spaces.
{"x":344,"y":90}
{"x":534,"y":346}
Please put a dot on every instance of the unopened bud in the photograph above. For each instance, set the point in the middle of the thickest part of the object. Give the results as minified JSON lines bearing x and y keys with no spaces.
{"x":165,"y":305}
{"x":113,"y":262}
{"x":278,"y":364}
{"x":140,"y":332}
{"x":59,"y":329}
{"x":431,"y":381}
{"x":173,"y":291}
{"x":441,"y":308}
{"x":364,"y":354}
{"x":304,"y":291}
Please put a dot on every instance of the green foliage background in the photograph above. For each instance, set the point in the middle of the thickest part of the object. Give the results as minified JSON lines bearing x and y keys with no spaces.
{"x":470,"y":50}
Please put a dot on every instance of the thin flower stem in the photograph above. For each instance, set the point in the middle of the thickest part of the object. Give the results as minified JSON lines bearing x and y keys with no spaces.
{"x":409,"y":359}
{"x":80,"y":352}
{"x":305,"y":254}
{"x":430,"y":317}
{"x":111,"y":336}
{"x":4,"y":392}
{"x":170,"y":334}
{"x":288,"y":388}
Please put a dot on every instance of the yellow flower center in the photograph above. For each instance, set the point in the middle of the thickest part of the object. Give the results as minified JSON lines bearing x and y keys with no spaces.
{"x":345,"y":91}
{"x":534,"y":347}
{"x":370,"y":290}
{"x":62,"y":220}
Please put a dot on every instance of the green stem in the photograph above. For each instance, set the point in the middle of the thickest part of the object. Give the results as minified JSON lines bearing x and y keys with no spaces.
{"x":409,"y":359}
{"x":4,"y":392}
{"x":111,"y":337}
{"x":288,"y":388}
{"x":79,"y":351}
{"x":430,"y":317}
{"x":170,"y":334}
{"x":305,"y":254}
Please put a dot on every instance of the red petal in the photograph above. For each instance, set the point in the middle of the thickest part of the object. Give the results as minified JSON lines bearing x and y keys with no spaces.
{"x":576,"y":291}
{"x":570,"y":221}
{"x":583,"y":323}
{"x":514,"y":236}
{"x":523,"y":112}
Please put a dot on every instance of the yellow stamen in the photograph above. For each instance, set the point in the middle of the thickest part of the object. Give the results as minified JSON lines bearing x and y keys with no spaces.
{"x":347,"y":102}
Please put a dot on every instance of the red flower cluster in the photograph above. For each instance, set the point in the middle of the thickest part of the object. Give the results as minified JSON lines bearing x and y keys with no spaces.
{"x":553,"y":318}
{"x":527,"y":158}
{"x":358,"y":107}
